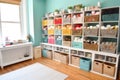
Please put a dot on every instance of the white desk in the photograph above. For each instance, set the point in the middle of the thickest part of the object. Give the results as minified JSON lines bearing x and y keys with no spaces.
{"x":15,"y":53}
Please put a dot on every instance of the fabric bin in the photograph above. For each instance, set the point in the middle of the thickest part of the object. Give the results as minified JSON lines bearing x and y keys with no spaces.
{"x":66,"y":21}
{"x":90,"y":32}
{"x":49,"y":54}
{"x":57,"y":56}
{"x":66,"y":31}
{"x":51,"y":40}
{"x":58,"y":42}
{"x":44,"y":22}
{"x":58,"y":32}
{"x":92,"y":18}
{"x":98,"y":66}
{"x":67,"y":43}
{"x":75,"y":61}
{"x":45,"y":32}
{"x":50,"y":31}
{"x":109,"y":69}
{"x":85,"y":64}
{"x":64,"y":58}
{"x":44,"y":53}
{"x":110,"y":17}
{"x":45,"y":39}
{"x":77,"y":45}
{"x":58,"y":21}
{"x":109,"y":32}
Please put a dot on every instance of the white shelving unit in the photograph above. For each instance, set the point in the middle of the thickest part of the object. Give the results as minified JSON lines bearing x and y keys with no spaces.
{"x":111,"y":57}
{"x":15,"y":53}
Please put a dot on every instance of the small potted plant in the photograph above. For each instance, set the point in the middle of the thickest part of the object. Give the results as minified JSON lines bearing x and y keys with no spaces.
{"x":56,"y":12}
{"x":70,"y":9}
{"x":78,"y":7}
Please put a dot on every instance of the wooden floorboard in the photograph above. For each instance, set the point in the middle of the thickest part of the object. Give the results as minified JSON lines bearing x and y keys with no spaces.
{"x":72,"y":72}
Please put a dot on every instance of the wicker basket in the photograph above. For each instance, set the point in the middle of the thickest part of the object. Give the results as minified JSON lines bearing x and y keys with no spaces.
{"x":77,"y":32}
{"x":92,"y":18}
{"x":89,"y":32}
{"x":91,"y":46}
{"x":109,"y":32}
{"x":108,"y":48}
{"x":67,"y":43}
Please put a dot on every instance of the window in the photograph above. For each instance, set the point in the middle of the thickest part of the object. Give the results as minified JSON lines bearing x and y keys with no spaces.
{"x":10,"y":24}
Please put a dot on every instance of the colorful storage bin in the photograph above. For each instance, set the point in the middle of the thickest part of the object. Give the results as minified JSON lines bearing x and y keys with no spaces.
{"x":58,"y":32}
{"x":77,"y":45}
{"x":66,"y":30}
{"x":85,"y":64}
{"x":58,"y":21}
{"x":45,"y":39}
{"x":51,"y":40}
{"x":110,"y":17}
{"x":50,"y":30}
{"x":44,"y":53}
{"x":44,"y":22}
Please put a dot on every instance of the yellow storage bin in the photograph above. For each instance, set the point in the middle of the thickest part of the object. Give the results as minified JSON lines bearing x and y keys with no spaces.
{"x":44,"y":22}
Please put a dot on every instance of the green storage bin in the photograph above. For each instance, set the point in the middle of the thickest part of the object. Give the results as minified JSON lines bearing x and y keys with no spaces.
{"x":110,"y":17}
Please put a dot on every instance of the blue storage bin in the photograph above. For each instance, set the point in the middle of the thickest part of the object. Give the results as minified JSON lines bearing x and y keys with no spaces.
{"x":77,"y":45}
{"x":110,"y":17}
{"x":45,"y":39}
{"x":44,"y":53}
{"x":45,"y":32}
{"x":85,"y":64}
{"x":58,"y":32}
{"x":58,"y":42}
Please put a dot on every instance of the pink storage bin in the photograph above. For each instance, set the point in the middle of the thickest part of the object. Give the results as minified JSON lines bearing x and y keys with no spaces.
{"x":51,"y":40}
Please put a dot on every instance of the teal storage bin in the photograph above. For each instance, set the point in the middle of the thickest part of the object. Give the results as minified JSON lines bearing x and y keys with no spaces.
{"x":85,"y":64}
{"x":45,"y":39}
{"x":110,"y":17}
{"x":77,"y":45}
{"x":44,"y":53}
{"x":58,"y":42}
{"x":58,"y":32}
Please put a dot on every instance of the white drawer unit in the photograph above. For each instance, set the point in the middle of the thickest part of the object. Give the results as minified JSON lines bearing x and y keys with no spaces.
{"x":15,"y":53}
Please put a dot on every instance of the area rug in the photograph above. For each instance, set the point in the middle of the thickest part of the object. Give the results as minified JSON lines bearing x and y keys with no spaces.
{"x":35,"y":71}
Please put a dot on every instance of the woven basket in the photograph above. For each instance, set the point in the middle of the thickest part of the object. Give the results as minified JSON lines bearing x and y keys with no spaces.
{"x":92,"y":18}
{"x":89,"y":32}
{"x":109,"y":32}
{"x":108,"y":48}
{"x":91,"y":46}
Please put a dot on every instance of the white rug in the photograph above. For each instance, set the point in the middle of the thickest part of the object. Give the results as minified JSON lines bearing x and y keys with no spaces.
{"x":35,"y":71}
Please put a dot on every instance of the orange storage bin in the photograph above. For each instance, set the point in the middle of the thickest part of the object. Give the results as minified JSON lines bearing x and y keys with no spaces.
{"x":44,"y":22}
{"x":50,"y":30}
{"x":66,"y":30}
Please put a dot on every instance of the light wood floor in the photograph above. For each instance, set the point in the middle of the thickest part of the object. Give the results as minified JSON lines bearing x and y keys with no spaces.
{"x":72,"y":72}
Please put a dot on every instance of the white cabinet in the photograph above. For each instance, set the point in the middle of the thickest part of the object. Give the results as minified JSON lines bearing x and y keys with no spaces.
{"x":15,"y":53}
